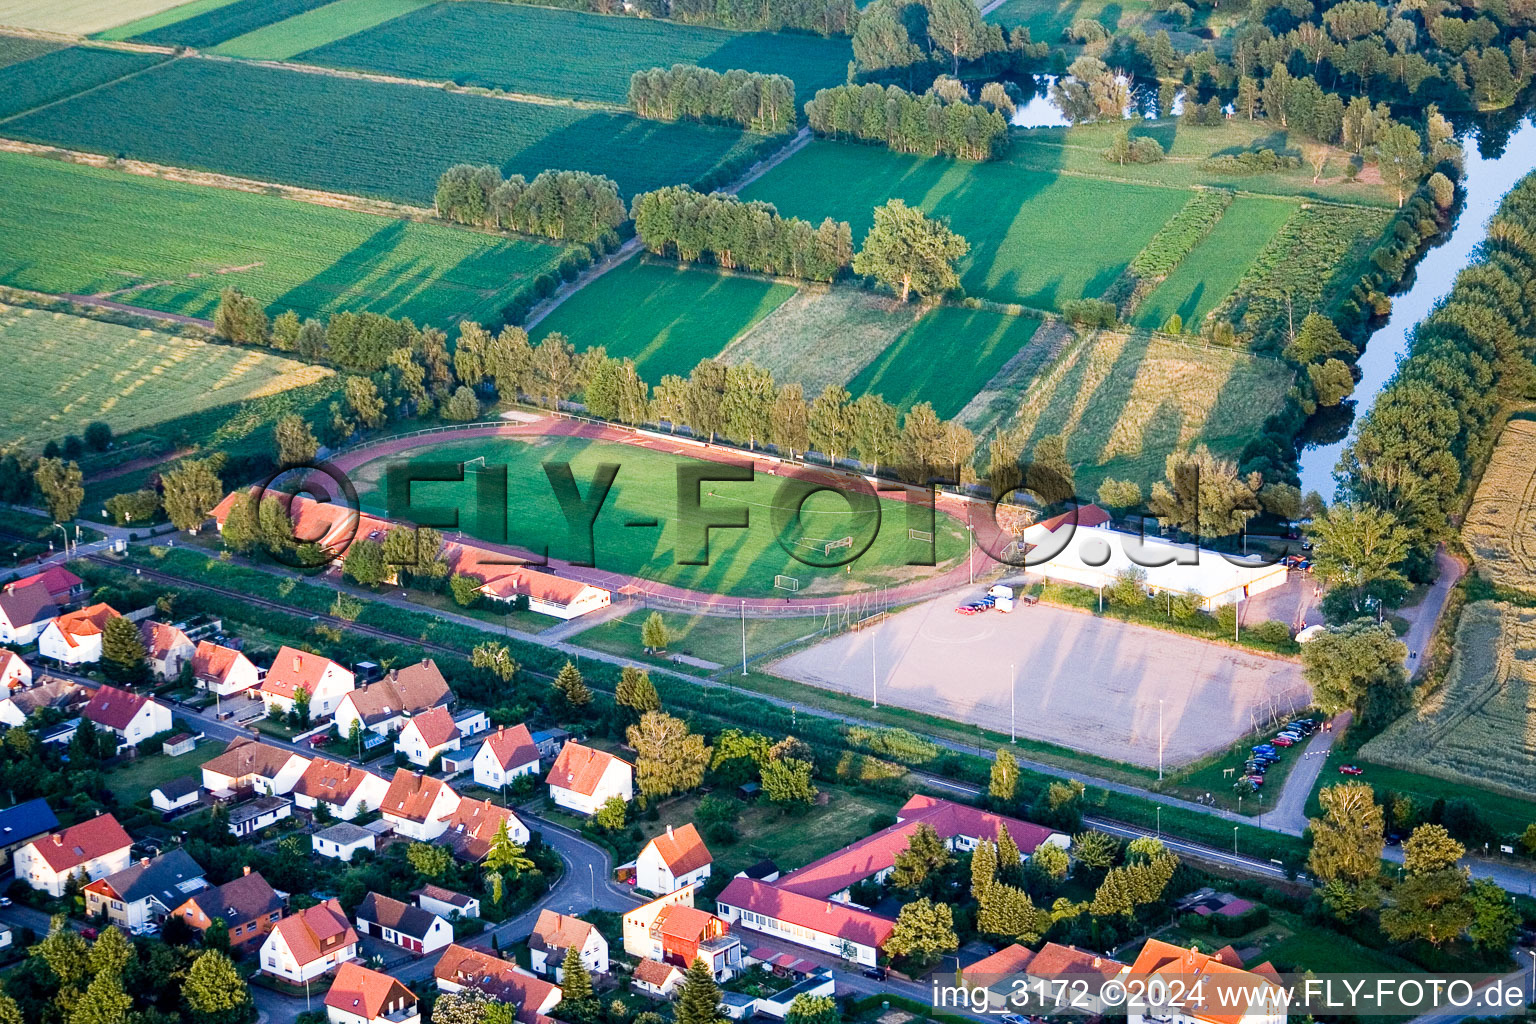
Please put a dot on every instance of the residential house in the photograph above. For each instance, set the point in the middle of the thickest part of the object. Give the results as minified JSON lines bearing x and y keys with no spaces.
{"x":555,"y":934}
{"x":418,"y":806}
{"x":412,"y":928}
{"x":425,"y":736}
{"x":132,"y":717}
{"x":505,"y":755}
{"x":293,"y":670}
{"x":672,"y":930}
{"x":250,"y":817}
{"x":63,"y":585}
{"x":829,"y":927}
{"x":50,"y":692}
{"x":95,"y":848}
{"x":639,"y":938}
{"x":146,"y":891}
{"x":1056,"y":967}
{"x":473,"y":825}
{"x":676,"y":858}
{"x":177,"y":794}
{"x":584,"y":778}
{"x":776,"y":1004}
{"x":309,"y":944}
{"x":657,"y":979}
{"x":382,"y":707}
{"x":1230,"y":995}
{"x":23,"y":823}
{"x":222,"y":670}
{"x":446,"y":902}
{"x":166,"y":648}
{"x":344,"y":789}
{"x":999,"y":975}
{"x":250,"y":766}
{"x":25,"y":610}
{"x":15,"y":673}
{"x":503,"y":583}
{"x":342,"y":840}
{"x":461,"y":968}
{"x":74,"y":638}
{"x":247,"y":906}
{"x":361,"y":996}
{"x":962,"y":826}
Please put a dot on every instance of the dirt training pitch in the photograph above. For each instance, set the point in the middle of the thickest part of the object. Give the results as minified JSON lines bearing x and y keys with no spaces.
{"x":1083,"y":682}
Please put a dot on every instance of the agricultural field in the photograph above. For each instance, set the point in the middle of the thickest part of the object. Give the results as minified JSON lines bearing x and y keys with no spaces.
{"x":944,"y":358}
{"x":338,"y":19}
{"x":166,"y":15}
{"x":665,"y":317}
{"x":741,"y":562}
{"x":1029,"y":242}
{"x":53,"y":76}
{"x":823,"y":336}
{"x":580,"y":56}
{"x":368,"y":138}
{"x":1124,"y":401}
{"x":1479,"y":727}
{"x":1204,"y":277}
{"x":1048,"y":20}
{"x":173,"y":247}
{"x":76,"y":17}
{"x":15,"y":49}
{"x":79,"y":370}
{"x":209,"y":28}
{"x":1498,"y":527}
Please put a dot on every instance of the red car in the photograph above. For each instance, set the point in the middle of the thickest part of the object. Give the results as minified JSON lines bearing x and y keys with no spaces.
{"x":1351,"y":769}
{"x":1283,"y":741}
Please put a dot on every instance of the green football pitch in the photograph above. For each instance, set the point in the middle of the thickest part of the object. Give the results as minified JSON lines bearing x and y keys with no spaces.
{"x":644,"y":527}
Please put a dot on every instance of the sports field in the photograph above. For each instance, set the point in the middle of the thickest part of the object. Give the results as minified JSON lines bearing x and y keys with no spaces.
{"x":741,"y":562}
{"x":316,"y":27}
{"x":209,"y":28}
{"x":77,"y":17}
{"x":566,"y":53}
{"x":368,"y":138}
{"x":177,"y":245}
{"x":77,"y":370}
{"x":1479,"y":727}
{"x":822,"y":336}
{"x":62,"y":73}
{"x":1076,"y":680}
{"x":1029,"y":240}
{"x":1124,"y":401}
{"x":1498,"y":527}
{"x":1209,"y":273}
{"x":665,"y":317}
{"x":945,"y":358}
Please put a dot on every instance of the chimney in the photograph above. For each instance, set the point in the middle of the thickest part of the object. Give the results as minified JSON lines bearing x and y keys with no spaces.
{"x":347,"y":771}
{"x":245,"y":870}
{"x":143,"y":862}
{"x":1097,"y":961}
{"x":669,"y":830}
{"x":296,"y":662}
{"x":58,"y":840}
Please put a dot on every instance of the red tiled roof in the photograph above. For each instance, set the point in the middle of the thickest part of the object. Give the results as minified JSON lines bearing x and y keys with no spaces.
{"x":686,"y":923}
{"x":436,"y":727}
{"x":682,"y":849}
{"x":497,"y":978}
{"x":579,"y":769}
{"x":1085,"y":516}
{"x":59,"y":580}
{"x":213,"y":662}
{"x":512,"y":747}
{"x":502,"y":578}
{"x":85,"y":622}
{"x":293,"y":668}
{"x":412,"y":795}
{"x":1055,"y":960}
{"x":473,"y":825}
{"x":114,"y":708}
{"x":556,"y":931}
{"x":823,"y":916}
{"x":654,"y":972}
{"x":27,"y":601}
{"x":1005,"y":963}
{"x":951,"y":819}
{"x":331,"y":781}
{"x":316,"y":931}
{"x":1164,"y":960}
{"x":410,"y":690}
{"x":161,"y":638}
{"x":69,"y":848}
{"x":358,"y":990}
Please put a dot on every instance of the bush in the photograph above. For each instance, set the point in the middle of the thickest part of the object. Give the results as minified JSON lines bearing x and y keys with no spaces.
{"x":1272,"y":632}
{"x":1091,"y":312}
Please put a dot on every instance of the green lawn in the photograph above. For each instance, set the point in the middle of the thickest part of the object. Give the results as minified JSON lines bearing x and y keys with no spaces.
{"x":160,"y":19}
{"x":132,"y":782}
{"x":663,"y":316}
{"x":741,"y":562}
{"x":53,"y":76}
{"x":567,"y":53}
{"x":1507,"y":814}
{"x":714,"y":638}
{"x":369,"y":138}
{"x":80,"y":370}
{"x":178,"y":245}
{"x":945,"y":358}
{"x":1039,"y":238}
{"x":316,"y":27}
{"x":1209,"y":273}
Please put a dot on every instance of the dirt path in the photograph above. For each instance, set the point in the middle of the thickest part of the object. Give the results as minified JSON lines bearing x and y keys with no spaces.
{"x":133,"y":465}
{"x":123,"y":307}
{"x":1424,"y":616}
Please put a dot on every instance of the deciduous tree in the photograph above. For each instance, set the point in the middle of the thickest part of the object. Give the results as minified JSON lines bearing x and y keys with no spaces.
{"x":668,"y":757}
{"x":908,"y":251}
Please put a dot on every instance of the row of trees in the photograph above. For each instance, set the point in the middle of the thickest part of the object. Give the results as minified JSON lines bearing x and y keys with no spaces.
{"x":571,"y":206}
{"x":824,"y":17}
{"x":928,"y":125}
{"x":758,"y":102}
{"x":905,"y":33}
{"x":688,"y":225}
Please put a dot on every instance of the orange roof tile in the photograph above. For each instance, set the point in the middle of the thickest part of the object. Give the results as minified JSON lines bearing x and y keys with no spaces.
{"x":654,"y":972}
{"x":436,"y":727}
{"x":1004,"y":964}
{"x":497,"y":978}
{"x":85,"y":622}
{"x":1055,"y":960}
{"x":682,"y":849}
{"x":161,"y":638}
{"x":681,"y":922}
{"x":212,"y":662}
{"x":331,"y":781}
{"x":1165,"y":960}
{"x":316,"y":931}
{"x":513,"y":747}
{"x":555,"y":931}
{"x":293,"y":668}
{"x":579,"y":769}
{"x":358,"y":990}
{"x":411,"y":795}
{"x":69,"y":848}
{"x":473,"y":825}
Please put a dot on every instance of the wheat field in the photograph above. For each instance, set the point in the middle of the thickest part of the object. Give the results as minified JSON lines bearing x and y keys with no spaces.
{"x":1500,"y":528}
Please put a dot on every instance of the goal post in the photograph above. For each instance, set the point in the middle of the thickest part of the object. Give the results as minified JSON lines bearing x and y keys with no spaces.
{"x":843,"y":543}
{"x":786,"y":583}
{"x":926,"y":536}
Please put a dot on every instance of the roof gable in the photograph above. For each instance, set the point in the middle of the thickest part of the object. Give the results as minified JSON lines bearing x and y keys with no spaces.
{"x":682,"y":849}
{"x":316,"y":931}
{"x":71,"y":847}
{"x":580,"y":768}
{"x":358,"y":990}
{"x":512,"y":747}
{"x":412,"y":795}
{"x":114,"y":708}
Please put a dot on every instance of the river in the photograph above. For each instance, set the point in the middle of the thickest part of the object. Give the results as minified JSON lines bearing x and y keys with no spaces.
{"x":1486,"y":181}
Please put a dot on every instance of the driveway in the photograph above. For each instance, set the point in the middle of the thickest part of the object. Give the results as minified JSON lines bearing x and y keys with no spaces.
{"x":1290,"y":812}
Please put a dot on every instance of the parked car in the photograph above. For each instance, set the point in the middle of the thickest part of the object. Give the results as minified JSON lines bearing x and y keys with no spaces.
{"x":1351,"y":769}
{"x":1283,"y":741}
{"x":877,"y":973}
